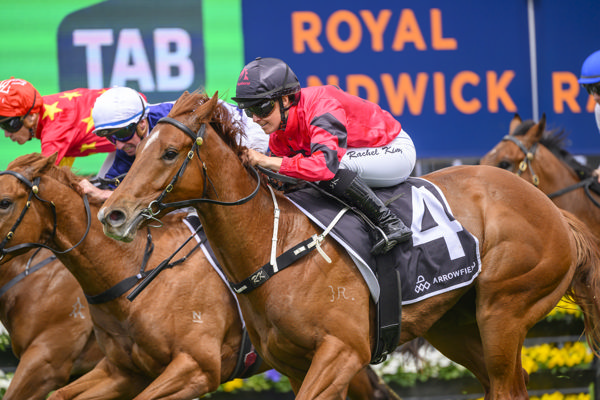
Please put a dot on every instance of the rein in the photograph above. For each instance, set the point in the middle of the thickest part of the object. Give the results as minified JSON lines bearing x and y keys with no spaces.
{"x":156,"y":206}
{"x":122,"y":287}
{"x":34,"y":187}
{"x":529,"y":155}
{"x":28,"y":270}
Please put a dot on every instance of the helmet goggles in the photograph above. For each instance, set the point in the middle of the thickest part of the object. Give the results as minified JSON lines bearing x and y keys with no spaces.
{"x":123,"y":134}
{"x":261,"y":110}
{"x":13,"y":124}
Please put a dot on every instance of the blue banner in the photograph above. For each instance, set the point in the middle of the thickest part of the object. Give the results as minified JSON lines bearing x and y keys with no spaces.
{"x":453,"y":73}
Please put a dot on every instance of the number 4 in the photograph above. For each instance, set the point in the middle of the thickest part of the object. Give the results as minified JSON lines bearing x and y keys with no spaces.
{"x":424,"y":202}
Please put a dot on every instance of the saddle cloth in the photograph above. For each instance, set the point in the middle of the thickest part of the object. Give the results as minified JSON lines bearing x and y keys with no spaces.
{"x":441,"y":255}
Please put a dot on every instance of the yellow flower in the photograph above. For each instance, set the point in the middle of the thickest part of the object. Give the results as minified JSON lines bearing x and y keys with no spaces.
{"x":233,"y":385}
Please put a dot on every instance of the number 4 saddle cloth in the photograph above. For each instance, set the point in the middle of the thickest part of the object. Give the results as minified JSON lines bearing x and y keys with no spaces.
{"x":441,"y":255}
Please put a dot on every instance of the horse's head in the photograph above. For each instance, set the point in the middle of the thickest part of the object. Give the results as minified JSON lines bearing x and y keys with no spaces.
{"x":22,"y":204}
{"x":517,"y":150}
{"x":171,"y":165}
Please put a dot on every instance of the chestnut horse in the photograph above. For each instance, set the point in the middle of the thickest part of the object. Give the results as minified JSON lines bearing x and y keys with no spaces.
{"x":181,"y":336}
{"x":45,"y":313}
{"x":539,"y":156}
{"x":531,"y":253}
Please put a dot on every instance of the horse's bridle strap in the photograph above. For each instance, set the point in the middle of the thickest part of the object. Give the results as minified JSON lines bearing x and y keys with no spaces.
{"x":33,"y":186}
{"x":198,"y":140}
{"x":526,"y":163}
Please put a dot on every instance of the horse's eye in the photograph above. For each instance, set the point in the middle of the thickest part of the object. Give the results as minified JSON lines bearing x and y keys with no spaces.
{"x":5,"y":203}
{"x":504,"y":164}
{"x":169,"y":155}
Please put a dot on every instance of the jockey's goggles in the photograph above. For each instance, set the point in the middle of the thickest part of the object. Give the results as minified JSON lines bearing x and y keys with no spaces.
{"x":261,"y":110}
{"x":592,"y":88}
{"x":123,"y":134}
{"x":13,"y":124}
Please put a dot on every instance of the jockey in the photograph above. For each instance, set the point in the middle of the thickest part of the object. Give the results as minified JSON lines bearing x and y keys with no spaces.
{"x":124,"y":117}
{"x":62,"y":122}
{"x":322,"y":134}
{"x":590,"y":80}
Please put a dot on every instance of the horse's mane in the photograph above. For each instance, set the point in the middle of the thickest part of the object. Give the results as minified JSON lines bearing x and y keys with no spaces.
{"x":35,"y":164}
{"x":221,"y":120}
{"x":556,"y":140}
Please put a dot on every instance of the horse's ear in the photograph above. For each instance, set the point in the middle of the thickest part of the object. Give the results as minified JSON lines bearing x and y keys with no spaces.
{"x":516,"y":121}
{"x":542,"y":125}
{"x":37,"y":164}
{"x":52,"y":158}
{"x":207,"y":108}
{"x":214,"y":100}
{"x":537,"y":130}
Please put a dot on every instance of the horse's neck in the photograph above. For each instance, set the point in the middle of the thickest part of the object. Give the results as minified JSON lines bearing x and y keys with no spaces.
{"x":98,"y":262}
{"x":553,"y":173}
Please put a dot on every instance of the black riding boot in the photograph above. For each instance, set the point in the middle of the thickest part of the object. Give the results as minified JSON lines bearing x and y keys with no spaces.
{"x":349,"y":187}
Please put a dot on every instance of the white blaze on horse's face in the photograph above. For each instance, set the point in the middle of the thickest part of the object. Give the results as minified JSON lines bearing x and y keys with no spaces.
{"x":152,"y":138}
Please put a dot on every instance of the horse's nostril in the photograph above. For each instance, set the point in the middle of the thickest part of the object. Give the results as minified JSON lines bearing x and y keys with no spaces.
{"x":116,"y":216}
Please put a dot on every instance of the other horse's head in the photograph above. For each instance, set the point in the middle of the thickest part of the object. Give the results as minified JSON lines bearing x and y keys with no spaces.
{"x":181,"y":159}
{"x":536,"y":154}
{"x":28,"y":199}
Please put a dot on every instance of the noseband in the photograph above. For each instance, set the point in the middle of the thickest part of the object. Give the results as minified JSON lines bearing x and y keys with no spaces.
{"x":34,"y":189}
{"x":526,"y":163}
{"x":156,"y":206}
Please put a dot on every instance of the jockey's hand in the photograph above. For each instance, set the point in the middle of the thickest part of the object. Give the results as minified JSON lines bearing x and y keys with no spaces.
{"x":93,"y":192}
{"x":253,"y":157}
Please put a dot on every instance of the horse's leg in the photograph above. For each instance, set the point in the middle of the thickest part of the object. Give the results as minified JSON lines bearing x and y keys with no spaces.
{"x":505,"y":311}
{"x":183,"y":378}
{"x":367,"y":385}
{"x":461,"y":344}
{"x":36,"y":376}
{"x":103,"y":382}
{"x":333,"y":366}
{"x":456,"y":335}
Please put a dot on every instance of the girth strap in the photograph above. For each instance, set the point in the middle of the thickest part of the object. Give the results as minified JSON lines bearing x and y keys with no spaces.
{"x":284,"y":260}
{"x":248,"y":360}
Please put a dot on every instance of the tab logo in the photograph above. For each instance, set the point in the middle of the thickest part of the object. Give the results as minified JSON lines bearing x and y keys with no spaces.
{"x":153,"y":46}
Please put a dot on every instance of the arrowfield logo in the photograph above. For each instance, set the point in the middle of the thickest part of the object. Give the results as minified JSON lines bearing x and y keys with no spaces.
{"x":422,"y":285}
{"x":468,"y":270}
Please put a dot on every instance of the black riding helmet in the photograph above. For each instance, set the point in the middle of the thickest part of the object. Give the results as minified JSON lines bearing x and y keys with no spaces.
{"x":266,"y":79}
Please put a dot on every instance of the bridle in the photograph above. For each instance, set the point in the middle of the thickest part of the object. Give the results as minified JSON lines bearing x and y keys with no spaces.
{"x":34,"y":189}
{"x":526,"y":163}
{"x":156,"y":206}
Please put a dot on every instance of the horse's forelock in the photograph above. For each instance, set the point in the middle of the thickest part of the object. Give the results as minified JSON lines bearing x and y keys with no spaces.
{"x":187,"y":103}
{"x":221,"y":120}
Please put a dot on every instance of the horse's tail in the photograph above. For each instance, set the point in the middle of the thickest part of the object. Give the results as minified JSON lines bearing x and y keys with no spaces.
{"x":585,"y":285}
